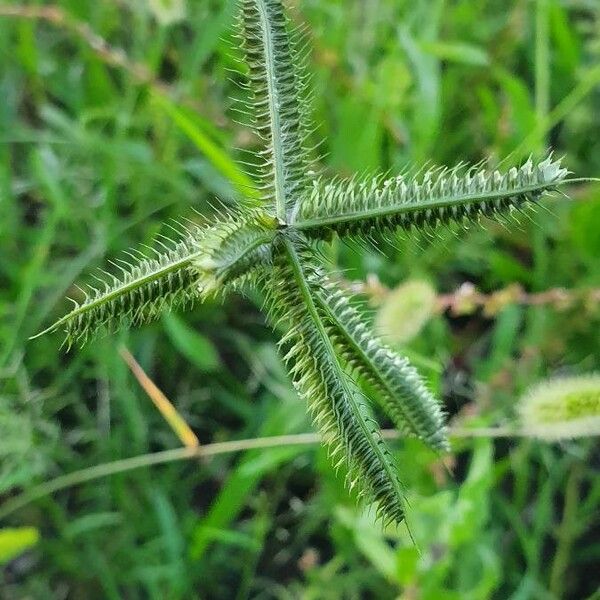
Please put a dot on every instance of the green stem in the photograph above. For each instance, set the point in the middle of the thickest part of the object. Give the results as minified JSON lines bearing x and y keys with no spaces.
{"x":542,"y":60}
{"x":567,"y":532}
{"x":167,"y":456}
{"x":564,"y":108}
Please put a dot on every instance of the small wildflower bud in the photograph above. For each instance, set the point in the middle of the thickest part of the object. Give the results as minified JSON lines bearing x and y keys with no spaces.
{"x":466,"y":300}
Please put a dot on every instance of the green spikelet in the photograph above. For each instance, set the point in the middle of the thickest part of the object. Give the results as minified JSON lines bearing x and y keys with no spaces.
{"x":239,"y":245}
{"x":206,"y":261}
{"x":338,"y":408}
{"x":565,"y":407}
{"x":369,"y":209}
{"x":276,"y":82}
{"x":144,"y":287}
{"x":400,"y":390}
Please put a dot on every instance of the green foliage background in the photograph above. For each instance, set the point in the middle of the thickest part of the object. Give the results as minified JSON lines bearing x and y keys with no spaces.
{"x":92,"y":162}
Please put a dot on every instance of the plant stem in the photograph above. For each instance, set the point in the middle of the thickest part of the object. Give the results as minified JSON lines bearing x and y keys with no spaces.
{"x":163,"y":404}
{"x":542,"y":61}
{"x":159,"y":458}
{"x":566,"y":533}
{"x":467,"y":298}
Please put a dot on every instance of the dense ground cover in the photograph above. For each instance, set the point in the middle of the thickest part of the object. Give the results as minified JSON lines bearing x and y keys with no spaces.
{"x":98,"y":148}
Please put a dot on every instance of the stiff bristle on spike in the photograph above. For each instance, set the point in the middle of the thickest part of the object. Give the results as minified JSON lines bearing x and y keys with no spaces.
{"x":429,"y":199}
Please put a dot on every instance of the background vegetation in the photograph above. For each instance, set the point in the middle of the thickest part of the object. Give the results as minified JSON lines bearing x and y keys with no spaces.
{"x":103,"y":141}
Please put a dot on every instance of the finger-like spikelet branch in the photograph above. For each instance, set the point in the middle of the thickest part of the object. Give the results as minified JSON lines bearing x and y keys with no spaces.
{"x":204,"y":262}
{"x":399,"y":388}
{"x":143,"y":288}
{"x":369,"y":209}
{"x":277,"y":85}
{"x":336,"y":404}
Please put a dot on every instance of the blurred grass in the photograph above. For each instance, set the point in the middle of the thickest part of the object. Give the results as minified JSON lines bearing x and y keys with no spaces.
{"x":95,"y":155}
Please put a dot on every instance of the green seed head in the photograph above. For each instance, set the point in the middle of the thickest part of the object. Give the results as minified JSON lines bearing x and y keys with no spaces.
{"x":565,"y":407}
{"x":405,"y":311}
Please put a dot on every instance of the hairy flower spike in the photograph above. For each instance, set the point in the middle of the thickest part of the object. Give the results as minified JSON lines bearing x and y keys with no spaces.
{"x":400,"y":390}
{"x":436,"y":197}
{"x":239,"y":245}
{"x":334,"y":360}
{"x":143,"y":288}
{"x":562,"y":408}
{"x":338,"y":408}
{"x":276,"y":83}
